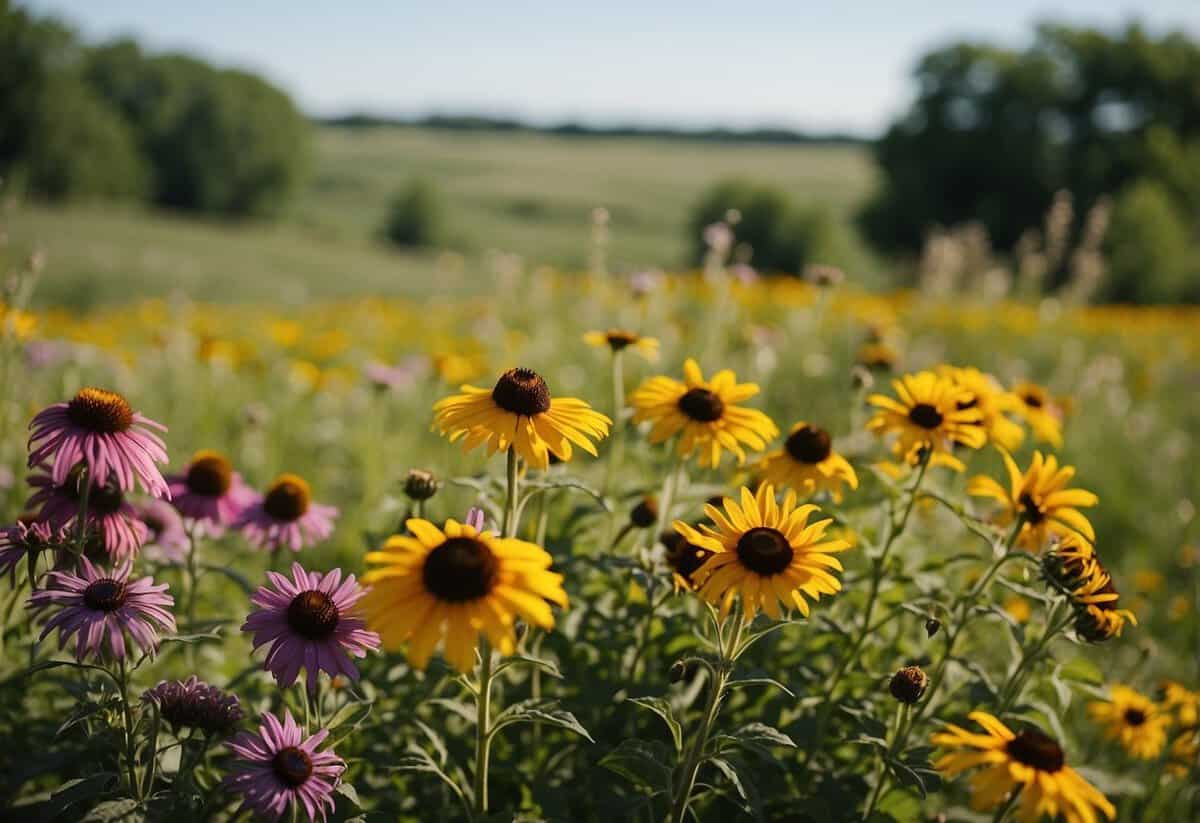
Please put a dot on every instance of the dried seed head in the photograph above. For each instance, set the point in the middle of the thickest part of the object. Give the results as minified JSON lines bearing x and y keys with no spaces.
{"x":420,"y":484}
{"x":908,"y":684}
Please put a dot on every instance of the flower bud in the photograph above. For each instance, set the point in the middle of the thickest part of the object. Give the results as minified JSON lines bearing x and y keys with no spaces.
{"x":931,"y":626}
{"x":908,"y":684}
{"x":677,"y":671}
{"x":645,"y":513}
{"x":420,"y":484}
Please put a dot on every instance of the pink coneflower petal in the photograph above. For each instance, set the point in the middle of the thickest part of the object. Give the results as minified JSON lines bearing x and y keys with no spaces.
{"x":309,"y":621}
{"x":286,"y":516}
{"x":109,"y":514}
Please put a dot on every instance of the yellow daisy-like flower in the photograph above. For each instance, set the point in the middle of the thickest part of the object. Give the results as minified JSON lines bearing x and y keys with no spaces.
{"x":1041,"y":411}
{"x":1040,"y":497}
{"x":453,"y":584}
{"x":993,"y":402}
{"x":620,"y":339}
{"x":768,"y":552}
{"x":1133,"y":719}
{"x":926,"y":413}
{"x":519,"y":413}
{"x":685,"y":559}
{"x":808,"y":464}
{"x":877,"y":357}
{"x":705,"y":414}
{"x":1184,"y":702}
{"x":1029,"y":761}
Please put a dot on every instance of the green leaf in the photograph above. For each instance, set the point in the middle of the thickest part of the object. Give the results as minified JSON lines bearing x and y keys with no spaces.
{"x":112,"y":810}
{"x":662,"y":708}
{"x":641,"y":762}
{"x":540,"y":711}
{"x":1082,"y":670}
{"x":760,"y":681}
{"x":420,"y":761}
{"x":434,"y":739}
{"x":741,"y":784}
{"x":547,"y":666}
{"x":763,"y":734}
{"x":237,"y":577}
{"x":457,"y":706}
{"x":348,"y":791}
{"x":344,"y":714}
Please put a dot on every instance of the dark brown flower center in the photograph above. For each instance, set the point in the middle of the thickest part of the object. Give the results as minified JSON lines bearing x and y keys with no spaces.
{"x":1037,"y":750}
{"x":925,"y":416}
{"x":684,"y":558}
{"x":765,"y":551}
{"x":522,"y":391}
{"x":645,"y":513}
{"x":1135,"y":717}
{"x":313,"y":614}
{"x":1030,"y":508}
{"x":619,"y":338}
{"x":105,"y":595}
{"x":702,"y":405}
{"x":908,"y":684}
{"x":1033,"y":401}
{"x":460,"y":569}
{"x":210,"y":474}
{"x":809,"y":444}
{"x":100,"y":411}
{"x":154,"y":524}
{"x":287,"y":499}
{"x":292,"y":765}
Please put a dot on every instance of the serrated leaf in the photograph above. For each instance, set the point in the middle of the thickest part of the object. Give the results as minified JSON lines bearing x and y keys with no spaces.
{"x":662,"y":708}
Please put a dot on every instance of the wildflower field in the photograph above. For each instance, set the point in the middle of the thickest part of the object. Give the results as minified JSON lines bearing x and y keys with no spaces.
{"x":598,"y":547}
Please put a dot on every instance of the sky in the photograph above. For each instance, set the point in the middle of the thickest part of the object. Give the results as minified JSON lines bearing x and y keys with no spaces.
{"x":818,"y":66}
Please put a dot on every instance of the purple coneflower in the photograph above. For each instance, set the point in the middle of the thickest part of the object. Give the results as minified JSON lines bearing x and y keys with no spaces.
{"x":310,"y":621}
{"x":475,"y":518}
{"x":193,"y":704}
{"x":96,"y":605}
{"x":278,"y":767}
{"x":108,"y":512}
{"x":25,"y":539}
{"x":286,"y":516}
{"x":98,"y":427}
{"x":166,"y":538}
{"x":210,"y":492}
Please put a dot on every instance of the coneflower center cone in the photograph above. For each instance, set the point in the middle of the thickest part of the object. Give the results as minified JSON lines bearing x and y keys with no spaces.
{"x":100,"y":411}
{"x":460,"y":569}
{"x":313,"y":614}
{"x":287,"y":499}
{"x":1037,"y":750}
{"x":210,"y":474}
{"x":765,"y":551}
{"x":104,"y":595}
{"x":522,"y":391}
{"x":292,"y":765}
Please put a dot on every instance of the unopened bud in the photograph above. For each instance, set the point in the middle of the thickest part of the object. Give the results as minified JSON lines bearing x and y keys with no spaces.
{"x":908,"y":684}
{"x":931,"y":627}
{"x":677,"y":671}
{"x":645,"y":513}
{"x":420,"y":484}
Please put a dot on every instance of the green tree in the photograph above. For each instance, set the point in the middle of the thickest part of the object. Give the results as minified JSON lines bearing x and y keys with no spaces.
{"x":1150,"y":251}
{"x":414,"y":216}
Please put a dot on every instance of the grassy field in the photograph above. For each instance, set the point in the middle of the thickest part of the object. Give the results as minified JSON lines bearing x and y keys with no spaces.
{"x":526,"y":194}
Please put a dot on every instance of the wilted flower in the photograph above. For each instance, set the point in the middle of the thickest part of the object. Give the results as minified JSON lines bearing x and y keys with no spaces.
{"x":908,"y":684}
{"x":192,"y":704}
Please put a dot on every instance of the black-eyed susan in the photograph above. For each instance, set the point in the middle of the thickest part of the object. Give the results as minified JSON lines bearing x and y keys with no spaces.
{"x":766,"y":552}
{"x":1041,"y":411}
{"x":451,"y":585}
{"x":926,"y":413}
{"x":1073,"y":566}
{"x":808,"y":464}
{"x":992,"y":401}
{"x":877,"y":357}
{"x":519,"y":413}
{"x":704,"y":413}
{"x":1041,"y":499}
{"x":1028,"y":761}
{"x":617,"y":340}
{"x":1133,"y":719}
{"x":1182,"y":702}
{"x":685,"y":559}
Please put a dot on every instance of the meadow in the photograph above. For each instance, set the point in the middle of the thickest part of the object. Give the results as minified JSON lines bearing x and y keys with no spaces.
{"x":654,"y":632}
{"x":526,"y":194}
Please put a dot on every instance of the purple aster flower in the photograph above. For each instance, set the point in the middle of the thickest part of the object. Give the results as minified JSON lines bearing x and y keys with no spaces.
{"x":310,"y":621}
{"x":475,"y":518}
{"x":98,"y":427}
{"x":278,"y":766}
{"x":209,"y":492}
{"x":18,"y":543}
{"x":166,"y":539}
{"x":108,"y":512}
{"x":192,"y":704}
{"x":96,"y":605}
{"x":396,"y":378}
{"x":286,"y":516}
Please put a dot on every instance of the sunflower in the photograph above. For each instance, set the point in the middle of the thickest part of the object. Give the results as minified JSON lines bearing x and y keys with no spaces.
{"x":932,"y":412}
{"x":1133,"y":719}
{"x":454,"y":583}
{"x":1028,"y":761}
{"x":518,"y":413}
{"x":808,"y":464}
{"x":1040,"y":497}
{"x":620,"y":339}
{"x":704,"y":413}
{"x":993,"y":402}
{"x":768,"y":552}
{"x":1041,"y":411}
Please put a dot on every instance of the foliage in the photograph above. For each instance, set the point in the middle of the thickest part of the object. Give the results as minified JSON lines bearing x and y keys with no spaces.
{"x":414,"y":216}
{"x":1152,"y":256}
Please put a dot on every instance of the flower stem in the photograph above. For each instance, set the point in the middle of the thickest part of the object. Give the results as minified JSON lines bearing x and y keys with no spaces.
{"x":509,"y":525}
{"x":881,"y":775}
{"x":617,"y":450}
{"x":483,"y":731}
{"x":85,"y":495}
{"x":666,"y":498}
{"x":721,"y":674}
{"x":127,"y":717}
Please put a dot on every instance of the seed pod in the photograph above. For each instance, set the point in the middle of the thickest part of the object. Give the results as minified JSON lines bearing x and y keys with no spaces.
{"x":420,"y":484}
{"x":908,"y":684}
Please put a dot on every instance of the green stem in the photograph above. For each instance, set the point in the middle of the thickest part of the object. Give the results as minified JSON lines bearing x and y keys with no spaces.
{"x":85,"y":495}
{"x":666,"y":497}
{"x":1004,"y":809}
{"x":644,"y":635}
{"x":881,"y":777}
{"x":127,"y":717}
{"x":483,"y":731}
{"x":510,"y":499}
{"x":617,"y":449}
{"x":723,"y":670}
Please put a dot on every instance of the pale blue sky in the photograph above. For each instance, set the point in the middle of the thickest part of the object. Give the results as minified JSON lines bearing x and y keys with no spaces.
{"x":813,"y":65}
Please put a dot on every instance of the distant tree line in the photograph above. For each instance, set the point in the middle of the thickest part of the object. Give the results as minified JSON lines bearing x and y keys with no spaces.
{"x":472,"y":122}
{"x":995,"y":133}
{"x":112,"y":121}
